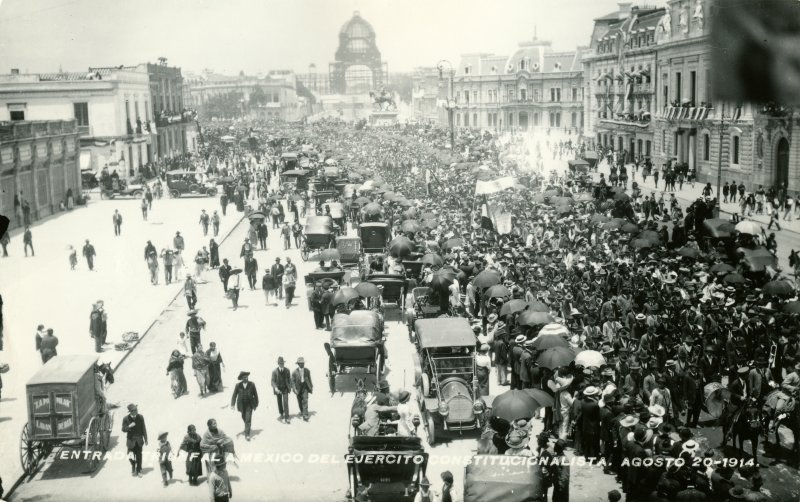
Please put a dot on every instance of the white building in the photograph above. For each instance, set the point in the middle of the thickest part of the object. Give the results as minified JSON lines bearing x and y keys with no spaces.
{"x":110,"y":106}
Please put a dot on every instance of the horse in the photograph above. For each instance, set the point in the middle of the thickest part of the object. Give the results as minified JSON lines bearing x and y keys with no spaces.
{"x":382,"y":102}
{"x":777,"y":417}
{"x":359,"y":408}
{"x":746,"y":426}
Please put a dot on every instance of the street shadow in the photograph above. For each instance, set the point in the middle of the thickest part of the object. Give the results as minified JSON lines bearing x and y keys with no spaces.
{"x":6,"y":399}
{"x":3,"y":419}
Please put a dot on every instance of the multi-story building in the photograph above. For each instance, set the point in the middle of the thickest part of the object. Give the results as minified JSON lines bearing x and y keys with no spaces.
{"x":109,"y":105}
{"x":38,"y":163}
{"x":534,"y":89}
{"x":619,"y":76}
{"x":744,"y":142}
{"x":426,"y":94}
{"x":171,"y":116}
{"x":276,"y":94}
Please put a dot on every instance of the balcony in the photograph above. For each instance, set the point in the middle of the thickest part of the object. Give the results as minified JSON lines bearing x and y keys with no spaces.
{"x":689,"y":112}
{"x":625,"y":121}
{"x":84,"y":131}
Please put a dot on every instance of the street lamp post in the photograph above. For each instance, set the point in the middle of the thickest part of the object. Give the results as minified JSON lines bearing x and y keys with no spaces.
{"x":451,"y":104}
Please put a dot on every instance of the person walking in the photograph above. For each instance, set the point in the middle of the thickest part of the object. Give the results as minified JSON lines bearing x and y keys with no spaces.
{"x":204,"y":221}
{"x":262,"y":232}
{"x":277,"y":274}
{"x":191,"y":445}
{"x":302,"y":386}
{"x":281,"y":385}
{"x":5,"y":240}
{"x":177,"y":264}
{"x":144,"y":209}
{"x":215,"y":367}
{"x":286,"y":234}
{"x":200,"y":367}
{"x":235,"y":288}
{"x":245,"y":398}
{"x":151,"y":257}
{"x":225,"y":274}
{"x":223,"y":202}
{"x":178,"y":243}
{"x":133,"y":426}
{"x":47,"y":346}
{"x":27,"y":240}
{"x":289,"y":281}
{"x":251,"y":270}
{"x":213,"y":254}
{"x":73,"y":257}
{"x":194,"y":326}
{"x":220,"y":489}
{"x":215,"y":223}
{"x":168,"y":257}
{"x":117,"y":220}
{"x":164,"y":451}
{"x":190,"y":291}
{"x":177,"y":378}
{"x":268,"y":285}
{"x":774,"y":216}
{"x":89,"y":253}
{"x":98,"y":327}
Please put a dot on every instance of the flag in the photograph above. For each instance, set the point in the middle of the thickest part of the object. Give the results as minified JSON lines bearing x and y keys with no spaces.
{"x":494,"y":186}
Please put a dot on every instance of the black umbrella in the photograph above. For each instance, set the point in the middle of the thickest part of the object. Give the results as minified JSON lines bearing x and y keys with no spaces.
{"x":486,"y":279}
{"x":344,"y":296}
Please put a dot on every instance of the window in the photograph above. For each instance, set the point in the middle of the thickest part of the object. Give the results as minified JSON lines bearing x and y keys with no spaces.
{"x":558,"y":119}
{"x":458,"y":119}
{"x":536,"y":118}
{"x":693,"y":87}
{"x":510,"y":120}
{"x":574,"y":94}
{"x":510,"y":98}
{"x":663,"y":141}
{"x":706,"y":147}
{"x":81,"y":113}
{"x":555,"y":94}
{"x":707,"y":96}
{"x":467,"y":70}
{"x":678,"y":95}
{"x":574,"y":119}
{"x":675,"y":139}
{"x":523,"y":94}
{"x":647,"y":148}
{"x":735,"y":151}
{"x":466,"y":97}
{"x":475,"y":96}
{"x":458,"y":96}
{"x":466,"y":120}
{"x":475,"y":119}
{"x":521,"y":64}
{"x":536,"y":95}
{"x":146,"y":112}
{"x":664,"y":78}
{"x":17,"y":115}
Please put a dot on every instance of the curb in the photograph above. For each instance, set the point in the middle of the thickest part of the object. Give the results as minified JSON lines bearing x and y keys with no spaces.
{"x":128,"y":352}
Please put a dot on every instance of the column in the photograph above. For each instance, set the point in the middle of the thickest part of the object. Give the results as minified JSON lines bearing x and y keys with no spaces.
{"x":692,"y":149}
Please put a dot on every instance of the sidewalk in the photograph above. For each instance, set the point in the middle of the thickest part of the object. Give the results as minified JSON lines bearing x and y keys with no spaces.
{"x":43,"y":290}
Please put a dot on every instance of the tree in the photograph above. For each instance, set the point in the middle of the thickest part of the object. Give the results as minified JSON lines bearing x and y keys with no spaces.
{"x":258,"y":97}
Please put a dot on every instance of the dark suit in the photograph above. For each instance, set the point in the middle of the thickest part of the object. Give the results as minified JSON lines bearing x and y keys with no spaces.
{"x":224,"y":275}
{"x":246,"y":399}
{"x":137,"y":437}
{"x":277,"y":273}
{"x":693,"y":393}
{"x":281,"y":386}
{"x":302,"y":388}
{"x":590,"y":427}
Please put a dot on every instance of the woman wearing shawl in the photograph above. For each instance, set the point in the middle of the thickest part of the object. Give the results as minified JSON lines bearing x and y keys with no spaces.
{"x":200,"y":367}
{"x":191,"y":445}
{"x":175,"y":372}
{"x":215,"y":365}
{"x":213,"y":249}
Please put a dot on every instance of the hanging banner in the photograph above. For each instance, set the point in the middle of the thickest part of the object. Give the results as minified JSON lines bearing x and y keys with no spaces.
{"x":494,"y":186}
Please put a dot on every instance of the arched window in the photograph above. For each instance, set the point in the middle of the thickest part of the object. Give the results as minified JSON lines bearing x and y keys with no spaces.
{"x":735,"y":150}
{"x":521,"y":64}
{"x":706,"y":147}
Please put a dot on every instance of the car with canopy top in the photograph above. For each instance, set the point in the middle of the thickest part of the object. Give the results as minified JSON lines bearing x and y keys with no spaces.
{"x":395,"y":478}
{"x":181,"y":182}
{"x":356,"y":341}
{"x":445,"y":374}
{"x":374,"y":237}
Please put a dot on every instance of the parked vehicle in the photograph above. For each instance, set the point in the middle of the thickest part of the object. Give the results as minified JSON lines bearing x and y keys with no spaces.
{"x":181,"y":182}
{"x":356,"y":342}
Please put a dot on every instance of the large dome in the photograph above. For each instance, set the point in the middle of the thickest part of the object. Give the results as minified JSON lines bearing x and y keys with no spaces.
{"x":357,"y":27}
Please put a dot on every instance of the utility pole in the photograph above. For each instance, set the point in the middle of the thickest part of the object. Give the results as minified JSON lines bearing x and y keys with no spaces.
{"x":717,"y":206}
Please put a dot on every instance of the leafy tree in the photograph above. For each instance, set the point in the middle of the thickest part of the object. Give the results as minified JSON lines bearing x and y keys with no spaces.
{"x":223,"y":106}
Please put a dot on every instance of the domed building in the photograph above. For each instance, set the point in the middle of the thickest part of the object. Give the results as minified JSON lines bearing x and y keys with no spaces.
{"x":358,"y":68}
{"x":533,"y":89}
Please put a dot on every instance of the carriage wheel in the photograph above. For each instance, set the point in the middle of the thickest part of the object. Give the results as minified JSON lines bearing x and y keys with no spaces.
{"x":93,"y":441}
{"x":426,"y":385}
{"x":175,"y":194}
{"x":431,"y":429}
{"x":304,"y":253}
{"x":31,"y":452}
{"x":105,"y":431}
{"x":332,"y":381}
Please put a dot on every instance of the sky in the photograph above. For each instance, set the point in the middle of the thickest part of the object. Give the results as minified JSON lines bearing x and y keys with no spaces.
{"x":255,"y":36}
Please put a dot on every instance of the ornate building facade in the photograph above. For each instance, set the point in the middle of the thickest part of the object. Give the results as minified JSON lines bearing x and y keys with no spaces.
{"x":533,"y":89}
{"x":358,"y":67}
{"x":620,"y":80}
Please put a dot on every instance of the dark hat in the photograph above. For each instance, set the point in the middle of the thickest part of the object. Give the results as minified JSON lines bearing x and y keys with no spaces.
{"x":383,"y":384}
{"x":403,"y":396}
{"x":424,"y":482}
{"x":243,"y":374}
{"x":132,"y":407}
{"x":162,"y":435}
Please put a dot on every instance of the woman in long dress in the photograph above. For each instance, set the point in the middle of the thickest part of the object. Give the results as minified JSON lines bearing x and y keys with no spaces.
{"x":178,"y":264}
{"x":191,"y":445}
{"x":199,"y":265}
{"x":213,"y":249}
{"x":200,"y":367}
{"x":215,"y":365}
{"x":175,"y":372}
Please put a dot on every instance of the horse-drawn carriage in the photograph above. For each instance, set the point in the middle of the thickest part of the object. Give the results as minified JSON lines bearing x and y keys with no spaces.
{"x":356,"y":341}
{"x":374,"y":237}
{"x":393,"y":288}
{"x":318,"y":234}
{"x":324,"y":278}
{"x":336,"y":210}
{"x":445,"y":375}
{"x":396,"y":478}
{"x":66,"y":408}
